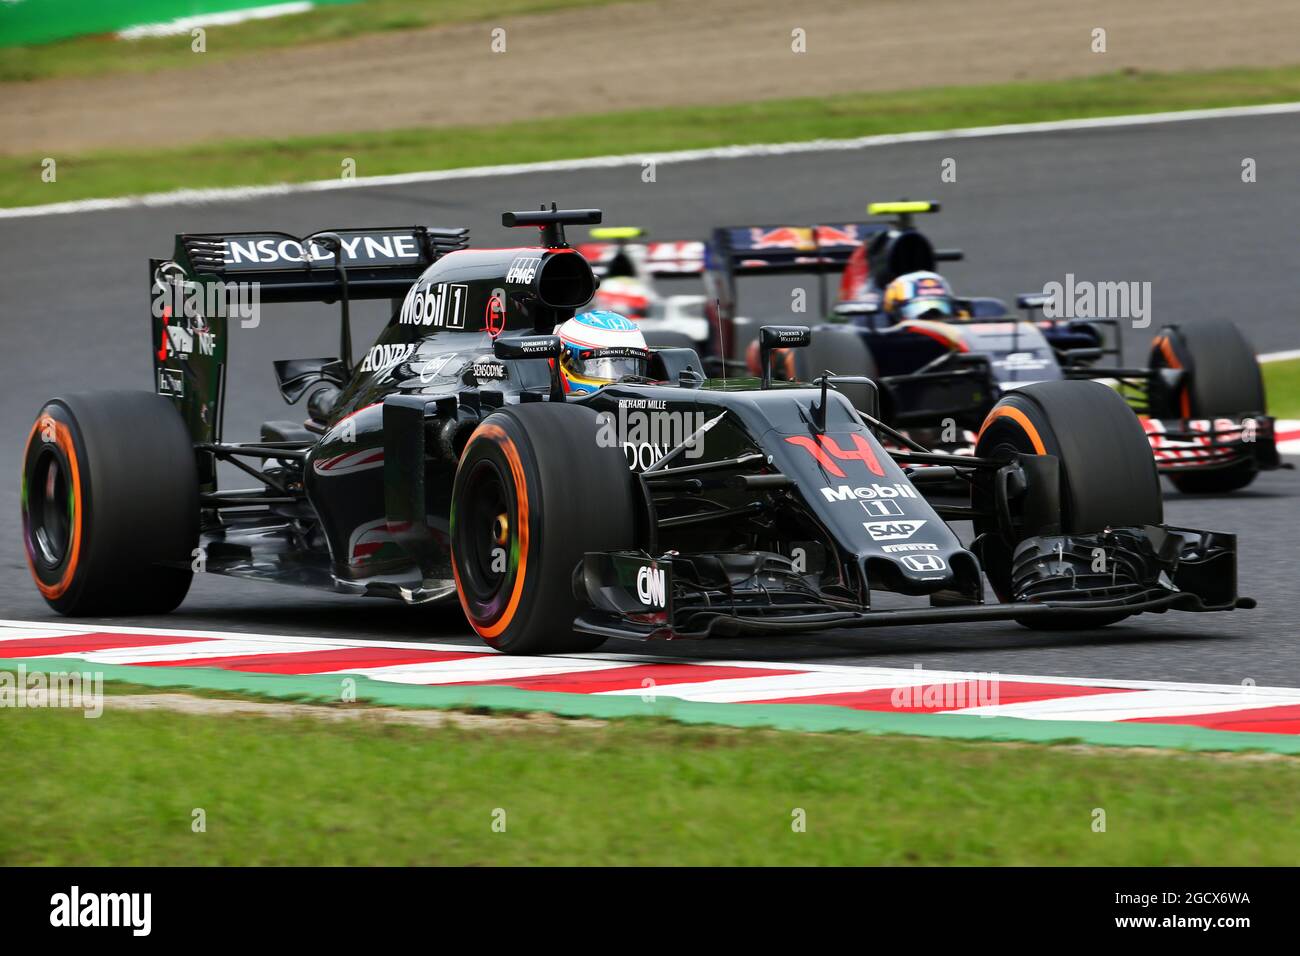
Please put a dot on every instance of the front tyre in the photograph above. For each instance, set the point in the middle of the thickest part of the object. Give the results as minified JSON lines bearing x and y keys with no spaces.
{"x":1221,"y":379}
{"x":534,"y":491}
{"x":1108,"y":475}
{"x":110,"y":504}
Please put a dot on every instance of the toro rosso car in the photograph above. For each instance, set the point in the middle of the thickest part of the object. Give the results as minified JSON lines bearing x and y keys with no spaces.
{"x":451,"y":464}
{"x":1200,"y":398}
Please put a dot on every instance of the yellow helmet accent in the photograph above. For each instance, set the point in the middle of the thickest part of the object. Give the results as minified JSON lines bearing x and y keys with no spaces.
{"x":901,"y":208}
{"x":895,"y":294}
{"x":617,"y":232}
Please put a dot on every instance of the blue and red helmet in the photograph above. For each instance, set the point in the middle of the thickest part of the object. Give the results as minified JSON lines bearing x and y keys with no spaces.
{"x":919,"y":295}
{"x":600,"y":348}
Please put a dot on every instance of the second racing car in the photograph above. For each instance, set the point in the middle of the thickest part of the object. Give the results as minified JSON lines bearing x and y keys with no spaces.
{"x":942,"y":362}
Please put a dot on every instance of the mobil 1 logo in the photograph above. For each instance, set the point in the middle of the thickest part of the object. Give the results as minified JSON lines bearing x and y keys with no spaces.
{"x":441,"y":305}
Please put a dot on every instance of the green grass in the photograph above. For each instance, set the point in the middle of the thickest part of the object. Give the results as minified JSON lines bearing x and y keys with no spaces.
{"x":1282,"y":388}
{"x":98,"y":55}
{"x":320,"y":157}
{"x":121,"y":790}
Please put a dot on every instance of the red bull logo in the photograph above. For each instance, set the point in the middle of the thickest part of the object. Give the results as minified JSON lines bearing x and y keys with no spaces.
{"x":804,"y":238}
{"x":836,"y":236}
{"x":783,"y":237}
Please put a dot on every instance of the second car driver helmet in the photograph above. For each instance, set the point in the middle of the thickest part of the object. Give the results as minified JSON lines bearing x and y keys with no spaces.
{"x":918,"y":294}
{"x":600,"y":348}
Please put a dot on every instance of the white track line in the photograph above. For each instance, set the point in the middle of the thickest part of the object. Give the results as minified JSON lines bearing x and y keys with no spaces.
{"x":1130,"y":706}
{"x":183,"y":197}
{"x":41,"y":630}
{"x":1286,"y":356}
{"x":181,"y":25}
{"x":741,"y":690}
{"x":470,"y":671}
{"x":201,"y":650}
{"x":20,"y":630}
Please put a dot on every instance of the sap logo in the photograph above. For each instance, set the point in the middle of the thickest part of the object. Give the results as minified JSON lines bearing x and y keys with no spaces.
{"x":523,"y":270}
{"x":925,"y":562}
{"x":385,"y":356}
{"x":897,"y":548}
{"x":441,"y":305}
{"x":651,"y":587}
{"x":892,"y":530}
{"x":877,"y":490}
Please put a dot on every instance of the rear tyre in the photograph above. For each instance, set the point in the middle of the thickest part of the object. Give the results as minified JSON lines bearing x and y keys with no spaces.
{"x":533,"y":492}
{"x":842,"y":352}
{"x":1108,"y":475}
{"x":1222,"y":380}
{"x":110,"y":504}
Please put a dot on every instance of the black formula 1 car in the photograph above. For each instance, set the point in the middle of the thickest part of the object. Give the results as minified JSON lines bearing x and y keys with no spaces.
{"x":450,"y":463}
{"x":1200,"y":398}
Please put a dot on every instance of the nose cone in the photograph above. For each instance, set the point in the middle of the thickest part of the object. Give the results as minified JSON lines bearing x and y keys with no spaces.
{"x":912,"y":570}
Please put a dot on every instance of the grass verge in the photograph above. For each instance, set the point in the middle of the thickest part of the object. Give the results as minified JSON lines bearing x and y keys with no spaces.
{"x":98,"y":55}
{"x":1282,"y":388}
{"x":124,"y":789}
{"x":641,"y":131}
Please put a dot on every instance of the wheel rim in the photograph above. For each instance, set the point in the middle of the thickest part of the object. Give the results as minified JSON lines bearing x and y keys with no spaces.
{"x":486,"y":543}
{"x":49,"y":510}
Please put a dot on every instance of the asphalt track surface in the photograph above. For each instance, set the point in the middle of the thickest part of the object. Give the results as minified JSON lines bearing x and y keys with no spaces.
{"x":1163,"y":204}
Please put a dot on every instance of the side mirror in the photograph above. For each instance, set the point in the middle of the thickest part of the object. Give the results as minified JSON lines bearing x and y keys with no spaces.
{"x":535,"y":347}
{"x":779,"y":337}
{"x":528,"y":347}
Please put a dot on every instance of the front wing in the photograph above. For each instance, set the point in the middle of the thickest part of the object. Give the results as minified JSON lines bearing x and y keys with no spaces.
{"x":1209,"y":444}
{"x":1131,"y":570}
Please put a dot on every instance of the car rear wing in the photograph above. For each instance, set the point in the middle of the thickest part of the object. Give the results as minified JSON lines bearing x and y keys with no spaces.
{"x":894,"y":247}
{"x":377,"y":263}
{"x":216,"y":279}
{"x":820,"y":249}
{"x":758,"y":250}
{"x":663,"y":259}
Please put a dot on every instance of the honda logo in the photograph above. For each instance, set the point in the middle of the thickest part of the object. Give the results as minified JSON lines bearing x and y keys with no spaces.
{"x":924,"y":562}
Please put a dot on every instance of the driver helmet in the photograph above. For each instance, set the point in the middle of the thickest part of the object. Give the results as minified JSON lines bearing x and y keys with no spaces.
{"x":919,"y":295}
{"x":599,"y":348}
